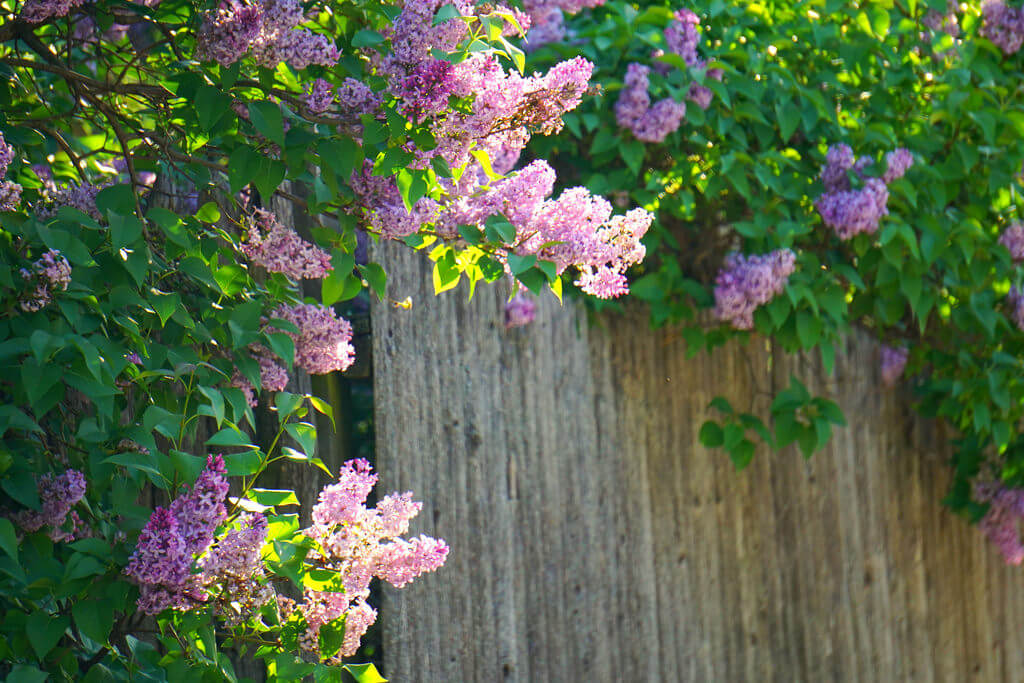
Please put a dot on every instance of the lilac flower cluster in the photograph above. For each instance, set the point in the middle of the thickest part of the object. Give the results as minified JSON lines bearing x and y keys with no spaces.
{"x":747,"y":282}
{"x":1015,"y":302}
{"x":1001,"y":524}
{"x":273,"y":376}
{"x":57,"y":495}
{"x":1013,"y":239}
{"x":162,"y":561}
{"x":319,"y":97}
{"x":547,"y":19}
{"x":355,"y":97}
{"x":37,"y":11}
{"x":633,"y":109}
{"x":520,"y":310}
{"x":235,"y":565}
{"x":279,"y":249}
{"x":324,"y":341}
{"x":893,"y":362}
{"x":947,"y":23}
{"x":50,"y":273}
{"x":362,"y":543}
{"x":853,"y":211}
{"x":1003,"y":25}
{"x":267,"y":29}
{"x":426,"y":89}
{"x":81,"y":196}
{"x":576,"y":229}
{"x":10,"y":192}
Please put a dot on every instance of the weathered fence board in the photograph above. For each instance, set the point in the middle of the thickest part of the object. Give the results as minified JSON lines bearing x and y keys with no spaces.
{"x":594,"y":539}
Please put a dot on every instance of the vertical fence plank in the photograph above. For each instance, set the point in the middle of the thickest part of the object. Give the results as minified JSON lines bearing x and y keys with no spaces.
{"x":594,"y":539}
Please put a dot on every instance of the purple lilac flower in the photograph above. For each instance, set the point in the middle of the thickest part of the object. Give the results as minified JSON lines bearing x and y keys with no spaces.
{"x":81,"y":196}
{"x":319,"y":97}
{"x":57,"y":495}
{"x":897,"y":162}
{"x":426,"y":89}
{"x":520,"y":310}
{"x":324,"y":341}
{"x":267,"y":29}
{"x":850,"y":211}
{"x":238,"y":553}
{"x":1015,"y":302}
{"x":1003,"y":25}
{"x":1013,"y":239}
{"x":50,"y":273}
{"x":201,"y":509}
{"x":1001,"y":524}
{"x":273,"y":376}
{"x":37,"y":11}
{"x":162,"y":561}
{"x":893,"y":362}
{"x":279,"y":249}
{"x":747,"y":282}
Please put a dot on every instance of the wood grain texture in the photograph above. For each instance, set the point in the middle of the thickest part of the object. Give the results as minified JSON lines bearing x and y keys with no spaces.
{"x":594,"y":539}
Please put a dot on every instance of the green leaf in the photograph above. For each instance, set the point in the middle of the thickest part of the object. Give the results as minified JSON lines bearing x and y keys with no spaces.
{"x":230,"y":437}
{"x":742,"y":453}
{"x":44,"y":630}
{"x":364,"y":673}
{"x":366,"y":38}
{"x":8,"y":538}
{"x":376,"y":278}
{"x":23,"y":673}
{"x":116,"y":199}
{"x":273,"y":497}
{"x":305,"y":434}
{"x":211,"y":106}
{"x":711,"y":435}
{"x":446,"y":13}
{"x":208,"y":213}
{"x":266,"y":118}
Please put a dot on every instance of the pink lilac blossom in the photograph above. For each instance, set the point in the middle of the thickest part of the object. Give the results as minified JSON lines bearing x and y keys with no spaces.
{"x":747,"y":282}
{"x":279,"y":249}
{"x":50,"y":273}
{"x":361,"y":543}
{"x":577,"y":229}
{"x":947,"y":23}
{"x":893,"y":362}
{"x":547,"y":19}
{"x":267,"y":29}
{"x":1013,"y":239}
{"x":1001,"y":524}
{"x":324,"y":341}
{"x":238,"y":553}
{"x":520,"y":310}
{"x":273,"y":376}
{"x":1003,"y":25}
{"x":1015,"y":302}
{"x":57,"y":495}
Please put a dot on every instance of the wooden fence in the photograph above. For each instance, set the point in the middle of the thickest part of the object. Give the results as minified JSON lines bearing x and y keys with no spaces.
{"x":594,"y":539}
